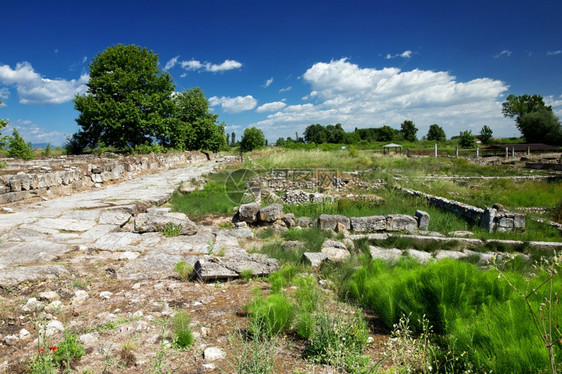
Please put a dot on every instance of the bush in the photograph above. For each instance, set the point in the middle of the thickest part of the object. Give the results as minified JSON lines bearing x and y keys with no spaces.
{"x":68,"y":349}
{"x":272,"y":314}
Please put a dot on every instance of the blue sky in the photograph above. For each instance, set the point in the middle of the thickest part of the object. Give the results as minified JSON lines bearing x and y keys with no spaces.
{"x":282,"y":66}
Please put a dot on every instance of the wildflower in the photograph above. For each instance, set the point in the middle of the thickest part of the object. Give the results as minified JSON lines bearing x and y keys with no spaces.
{"x":41,"y":350}
{"x":53,"y":348}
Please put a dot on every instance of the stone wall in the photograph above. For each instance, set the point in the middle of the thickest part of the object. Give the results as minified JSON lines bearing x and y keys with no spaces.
{"x":47,"y":178}
{"x":492,"y":219}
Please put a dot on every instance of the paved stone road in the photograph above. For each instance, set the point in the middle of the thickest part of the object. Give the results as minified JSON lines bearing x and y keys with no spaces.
{"x":65,"y":235}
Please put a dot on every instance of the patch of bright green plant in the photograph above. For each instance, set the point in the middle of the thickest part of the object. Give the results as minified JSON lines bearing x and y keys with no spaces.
{"x":183,"y":270}
{"x":472,"y":310}
{"x":252,"y":353}
{"x":69,"y":349}
{"x":274,"y":312}
{"x":171,"y":230}
{"x":246,"y":274}
{"x":183,"y":337}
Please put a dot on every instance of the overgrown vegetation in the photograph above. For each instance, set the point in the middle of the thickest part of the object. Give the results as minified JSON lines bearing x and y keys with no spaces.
{"x":472,"y":310}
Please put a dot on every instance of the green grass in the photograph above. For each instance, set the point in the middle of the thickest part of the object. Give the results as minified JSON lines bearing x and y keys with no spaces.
{"x":183,"y":337}
{"x":473,"y":310}
{"x":273,"y":313}
{"x":485,"y":193}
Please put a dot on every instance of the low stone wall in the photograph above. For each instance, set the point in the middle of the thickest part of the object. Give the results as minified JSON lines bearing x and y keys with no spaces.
{"x":492,"y":219}
{"x":66,"y":175}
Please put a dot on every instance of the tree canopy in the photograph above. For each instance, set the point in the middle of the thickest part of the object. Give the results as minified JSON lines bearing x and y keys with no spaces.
{"x":533,"y":118}
{"x":128,"y":101}
{"x":436,"y":133}
{"x":18,"y":148}
{"x":253,"y":138}
{"x":408,"y":130}
{"x":131,"y":102}
{"x":485,"y":134}
{"x":467,"y":139}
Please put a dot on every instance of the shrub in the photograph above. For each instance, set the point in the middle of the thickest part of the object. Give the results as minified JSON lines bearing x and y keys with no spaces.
{"x":252,"y":354}
{"x":171,"y":230}
{"x":68,"y":349}
{"x":272,"y":314}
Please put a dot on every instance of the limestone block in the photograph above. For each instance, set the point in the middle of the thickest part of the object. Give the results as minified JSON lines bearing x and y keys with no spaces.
{"x":329,"y":221}
{"x":368,"y":224}
{"x":400,"y":222}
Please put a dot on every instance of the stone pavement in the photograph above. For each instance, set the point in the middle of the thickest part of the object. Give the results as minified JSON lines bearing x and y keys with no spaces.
{"x":66,"y":235}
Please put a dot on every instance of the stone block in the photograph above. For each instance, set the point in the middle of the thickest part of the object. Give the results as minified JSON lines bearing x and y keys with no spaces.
{"x":329,"y":221}
{"x":248,"y":212}
{"x":400,"y":222}
{"x":270,"y":213}
{"x":423,"y":220}
{"x":368,"y":224}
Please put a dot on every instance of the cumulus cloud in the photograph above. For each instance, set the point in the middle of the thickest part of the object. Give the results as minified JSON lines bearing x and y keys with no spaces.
{"x":234,"y":104}
{"x":268,"y":82}
{"x":286,"y":89}
{"x":366,"y":97}
{"x":196,"y":65}
{"x":32,"y":88}
{"x":503,"y":53}
{"x":405,"y":54}
{"x":553,"y":53}
{"x":4,"y":93}
{"x":271,"y":107}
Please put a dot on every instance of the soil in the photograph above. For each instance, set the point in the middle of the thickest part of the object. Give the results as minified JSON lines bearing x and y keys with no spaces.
{"x":131,"y":330}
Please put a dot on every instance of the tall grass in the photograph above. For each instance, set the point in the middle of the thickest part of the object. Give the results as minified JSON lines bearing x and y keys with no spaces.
{"x":473,"y":310}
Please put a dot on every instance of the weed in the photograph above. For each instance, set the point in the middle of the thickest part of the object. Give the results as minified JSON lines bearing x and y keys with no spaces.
{"x":272,"y":314}
{"x":338,"y":339}
{"x":184,"y":271}
{"x":247,"y":274}
{"x":252,"y":353}
{"x":171,"y":230}
{"x":183,"y":337}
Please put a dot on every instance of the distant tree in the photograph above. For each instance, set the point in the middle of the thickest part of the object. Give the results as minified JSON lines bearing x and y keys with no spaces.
{"x":233,"y":139}
{"x":19,"y":148}
{"x":253,"y":138}
{"x":466,"y":139}
{"x":409,"y":130}
{"x":315,"y":134}
{"x":280,"y":142}
{"x":351,"y":138}
{"x":533,"y":118}
{"x":485,"y":134}
{"x":3,"y":123}
{"x":541,"y":127}
{"x":128,"y":101}
{"x":436,"y":133}
{"x":386,"y":134}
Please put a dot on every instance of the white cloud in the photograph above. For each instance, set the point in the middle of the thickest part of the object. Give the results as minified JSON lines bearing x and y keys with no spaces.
{"x":555,"y":103}
{"x":286,"y":89}
{"x":32,"y":88}
{"x":234,"y":104}
{"x":268,"y":82}
{"x":553,"y":53}
{"x":84,"y":59}
{"x":405,"y":54}
{"x":171,"y":63}
{"x":4,"y":93}
{"x":505,"y":52}
{"x":271,"y":107}
{"x":365,"y":97}
{"x":196,"y":65}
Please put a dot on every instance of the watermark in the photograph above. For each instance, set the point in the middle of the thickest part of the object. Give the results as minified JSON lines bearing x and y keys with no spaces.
{"x":244,"y":186}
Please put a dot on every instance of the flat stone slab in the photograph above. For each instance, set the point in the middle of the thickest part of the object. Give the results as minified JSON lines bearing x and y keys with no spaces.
{"x":114,"y":218}
{"x":119,"y":242}
{"x":457,"y":255}
{"x":35,"y":252}
{"x":97,"y":232}
{"x":62,"y":224}
{"x":201,"y":243}
{"x":82,"y":215}
{"x":420,"y":256}
{"x":14,"y":276}
{"x":228,"y":267}
{"x":151,"y":266}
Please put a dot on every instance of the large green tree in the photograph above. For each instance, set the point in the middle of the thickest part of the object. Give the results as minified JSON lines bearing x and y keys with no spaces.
{"x":467,"y":139}
{"x":18,"y":148}
{"x":316,"y":134}
{"x":436,"y":133}
{"x":195,"y":127}
{"x":533,"y":118}
{"x":409,"y":130}
{"x":253,"y":138}
{"x":3,"y":123}
{"x":128,"y":101}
